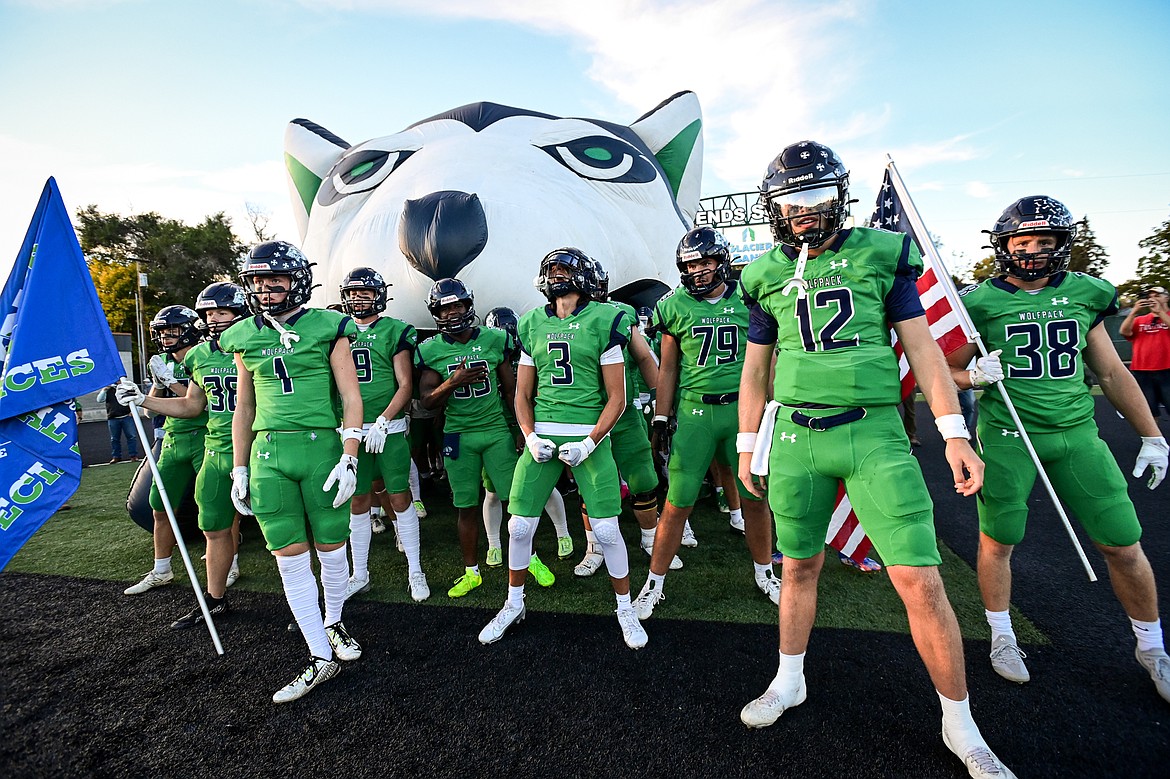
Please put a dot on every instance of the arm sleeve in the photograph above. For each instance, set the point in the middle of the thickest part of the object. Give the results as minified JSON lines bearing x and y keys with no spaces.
{"x":613,"y":355}
{"x":762,"y":326}
{"x":902,"y":301}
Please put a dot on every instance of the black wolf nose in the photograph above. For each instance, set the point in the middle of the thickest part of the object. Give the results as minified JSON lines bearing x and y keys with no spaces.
{"x":441,"y":233}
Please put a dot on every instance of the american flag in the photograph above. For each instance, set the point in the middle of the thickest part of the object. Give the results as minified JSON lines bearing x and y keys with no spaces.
{"x":889,"y":214}
{"x":845,"y":532}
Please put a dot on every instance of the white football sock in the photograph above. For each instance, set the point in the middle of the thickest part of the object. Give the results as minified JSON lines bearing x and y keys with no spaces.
{"x":361,"y":532}
{"x":960,"y":725}
{"x":300,"y":590}
{"x":1149,"y":634}
{"x":516,"y":595}
{"x":1000,"y":623}
{"x":162,"y":565}
{"x":334,"y":578}
{"x":788,"y":673}
{"x":648,"y":537}
{"x":407,"y":529}
{"x":415,"y":493}
{"x":493,"y":518}
{"x":735,"y":515}
{"x":623,"y":601}
{"x":763,"y":571}
{"x":555,"y":508}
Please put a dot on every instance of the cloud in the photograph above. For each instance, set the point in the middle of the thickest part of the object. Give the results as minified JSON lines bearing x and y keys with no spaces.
{"x":978,"y":189}
{"x":765,"y":71}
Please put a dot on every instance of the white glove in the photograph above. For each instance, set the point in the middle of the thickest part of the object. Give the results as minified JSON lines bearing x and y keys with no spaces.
{"x":1153,"y":455}
{"x":240,"y":498}
{"x":376,"y":435}
{"x":128,"y":393}
{"x":573,"y":454}
{"x":988,"y":370}
{"x":344,"y":475}
{"x":542,"y":449}
{"x":162,"y":372}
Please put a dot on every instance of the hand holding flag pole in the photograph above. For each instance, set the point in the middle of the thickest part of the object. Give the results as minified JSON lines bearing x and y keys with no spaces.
{"x":920,"y":234}
{"x":166,"y":501}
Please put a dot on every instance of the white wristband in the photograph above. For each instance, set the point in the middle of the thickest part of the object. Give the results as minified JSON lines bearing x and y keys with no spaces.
{"x":745,"y":442}
{"x":660,"y":418}
{"x":952,"y":426}
{"x":351,"y":434}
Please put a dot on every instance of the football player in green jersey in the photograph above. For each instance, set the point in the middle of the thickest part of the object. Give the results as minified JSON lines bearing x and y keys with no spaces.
{"x":704,"y":327}
{"x":212,"y":391}
{"x":629,"y":438}
{"x":504,"y":318}
{"x":174,"y":330}
{"x":827,"y":296}
{"x":383,"y":355}
{"x":294,"y":367}
{"x":570,"y":392}
{"x":467,"y":371}
{"x":1044,"y":325}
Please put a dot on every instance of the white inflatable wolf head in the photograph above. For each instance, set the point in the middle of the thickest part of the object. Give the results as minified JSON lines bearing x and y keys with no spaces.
{"x":484,"y":191}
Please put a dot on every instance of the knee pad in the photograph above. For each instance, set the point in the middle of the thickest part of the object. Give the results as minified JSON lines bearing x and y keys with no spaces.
{"x":605,"y":530}
{"x":644,"y":501}
{"x":521,"y":528}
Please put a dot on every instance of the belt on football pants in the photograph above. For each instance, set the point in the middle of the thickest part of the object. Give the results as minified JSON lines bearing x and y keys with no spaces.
{"x":821,"y":424}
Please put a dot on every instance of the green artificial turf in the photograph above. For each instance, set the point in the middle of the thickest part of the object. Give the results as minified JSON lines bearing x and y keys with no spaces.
{"x":95,"y":539}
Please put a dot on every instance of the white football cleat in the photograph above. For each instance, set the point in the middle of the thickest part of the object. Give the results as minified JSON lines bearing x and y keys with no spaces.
{"x":981,"y":762}
{"x":495,"y":630}
{"x":317,"y":672}
{"x":647,"y":599}
{"x":419,"y":589}
{"x":770,"y":586}
{"x":766,"y":709}
{"x":356,"y":586}
{"x":688,"y":536}
{"x":590,"y":564}
{"x":1007,"y":660}
{"x":149,"y":582}
{"x":632,"y":630}
{"x":345,"y":647}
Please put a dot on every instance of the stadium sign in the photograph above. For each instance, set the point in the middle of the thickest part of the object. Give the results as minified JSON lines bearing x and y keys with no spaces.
{"x":742,"y":220}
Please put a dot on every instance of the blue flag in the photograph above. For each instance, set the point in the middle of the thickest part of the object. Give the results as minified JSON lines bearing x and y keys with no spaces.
{"x":55,"y":345}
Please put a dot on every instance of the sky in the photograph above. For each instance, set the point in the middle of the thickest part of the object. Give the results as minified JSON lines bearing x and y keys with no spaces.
{"x":180,"y":107}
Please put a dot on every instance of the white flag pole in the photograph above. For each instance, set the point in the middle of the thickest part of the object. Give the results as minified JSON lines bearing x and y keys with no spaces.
{"x":948,"y":285}
{"x":166,"y":501}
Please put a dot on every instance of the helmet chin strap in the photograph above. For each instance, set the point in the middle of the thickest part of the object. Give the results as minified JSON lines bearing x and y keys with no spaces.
{"x":287,"y":337}
{"x":797,"y":282}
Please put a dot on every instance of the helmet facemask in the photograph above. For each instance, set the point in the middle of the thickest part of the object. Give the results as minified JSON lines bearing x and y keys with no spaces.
{"x":580,"y":271}
{"x":1035,"y":215}
{"x":791,"y":212}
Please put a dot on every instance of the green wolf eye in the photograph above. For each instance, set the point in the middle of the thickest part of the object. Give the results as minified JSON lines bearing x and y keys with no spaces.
{"x":603,"y":158}
{"x":359,"y":171}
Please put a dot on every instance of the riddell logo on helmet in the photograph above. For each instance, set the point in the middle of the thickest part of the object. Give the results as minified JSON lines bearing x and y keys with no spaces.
{"x":1035,"y":223}
{"x":261,"y":266}
{"x":798,"y":179}
{"x":691,"y":255}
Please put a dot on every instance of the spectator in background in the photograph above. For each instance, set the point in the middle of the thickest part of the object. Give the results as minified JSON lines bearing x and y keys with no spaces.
{"x":120,"y":423}
{"x":1150,"y":334}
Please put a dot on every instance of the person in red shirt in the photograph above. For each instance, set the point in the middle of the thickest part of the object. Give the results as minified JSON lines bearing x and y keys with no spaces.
{"x":1148,"y":327}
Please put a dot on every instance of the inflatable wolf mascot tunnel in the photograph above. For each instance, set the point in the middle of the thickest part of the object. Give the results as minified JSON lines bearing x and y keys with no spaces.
{"x":482,"y":192}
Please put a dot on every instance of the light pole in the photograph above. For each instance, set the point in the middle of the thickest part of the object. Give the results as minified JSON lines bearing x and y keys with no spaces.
{"x":139,"y":283}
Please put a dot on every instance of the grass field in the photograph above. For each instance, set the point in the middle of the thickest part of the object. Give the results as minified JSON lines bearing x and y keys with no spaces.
{"x":96,"y":540}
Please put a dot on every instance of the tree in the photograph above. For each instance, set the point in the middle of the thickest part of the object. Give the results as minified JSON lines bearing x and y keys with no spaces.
{"x":984,"y":269}
{"x":180,"y":260}
{"x":1088,"y":256}
{"x":1154,"y":265}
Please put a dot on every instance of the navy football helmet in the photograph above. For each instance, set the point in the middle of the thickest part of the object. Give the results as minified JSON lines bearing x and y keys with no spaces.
{"x":1033,"y":215}
{"x":221,"y":294}
{"x":444,"y":292}
{"x":173,"y":318}
{"x":699,"y":244}
{"x":806,"y":178}
{"x":582,"y":274}
{"x":277,"y":258}
{"x":363,"y":278}
{"x":503,"y":318}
